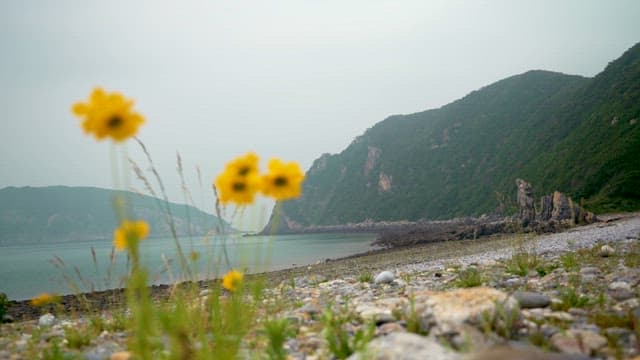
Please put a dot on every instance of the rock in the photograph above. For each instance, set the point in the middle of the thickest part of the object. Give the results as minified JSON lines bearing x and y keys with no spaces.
{"x":103,"y":351}
{"x":378,"y":314}
{"x":546,"y":207}
{"x":620,"y":290}
{"x":457,"y":306}
{"x":525,"y":199}
{"x":46,"y":320}
{"x":388,"y":328}
{"x":7,"y":319}
{"x":578,"y":342}
{"x":121,"y":355}
{"x":530,"y":300}
{"x":589,"y":270}
{"x":384,"y":277}
{"x":405,"y":346}
{"x":528,"y":353}
{"x":607,"y":250}
{"x":562,"y":209}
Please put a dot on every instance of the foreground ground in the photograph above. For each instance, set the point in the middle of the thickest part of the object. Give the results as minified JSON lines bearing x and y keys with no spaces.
{"x":569,"y":295}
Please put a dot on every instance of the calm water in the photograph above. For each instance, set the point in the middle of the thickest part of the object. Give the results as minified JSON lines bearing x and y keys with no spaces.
{"x":26,"y":271}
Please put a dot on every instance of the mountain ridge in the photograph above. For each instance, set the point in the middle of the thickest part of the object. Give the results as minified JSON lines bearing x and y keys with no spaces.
{"x":458,"y":160}
{"x":74,"y":213}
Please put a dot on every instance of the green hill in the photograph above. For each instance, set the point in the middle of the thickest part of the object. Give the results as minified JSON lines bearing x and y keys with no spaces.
{"x":560,"y":132}
{"x":60,"y":213}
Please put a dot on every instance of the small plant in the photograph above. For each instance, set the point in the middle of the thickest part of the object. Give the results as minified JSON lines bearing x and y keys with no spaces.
{"x":77,"y":338}
{"x":632,"y":257}
{"x":412,"y":319}
{"x":54,"y":352}
{"x":502,"y":321}
{"x":4,"y":305}
{"x":569,"y":261}
{"x":572,"y":299}
{"x":277,"y":332}
{"x":341,"y":344}
{"x":469,"y":278}
{"x":608,"y":319}
{"x":522,"y":262}
{"x":365,"y":277}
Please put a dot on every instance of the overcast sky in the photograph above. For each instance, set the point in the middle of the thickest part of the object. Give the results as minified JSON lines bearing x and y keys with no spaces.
{"x":292,"y":79}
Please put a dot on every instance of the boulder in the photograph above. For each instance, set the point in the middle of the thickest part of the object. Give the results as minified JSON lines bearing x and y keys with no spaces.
{"x":525,"y":199}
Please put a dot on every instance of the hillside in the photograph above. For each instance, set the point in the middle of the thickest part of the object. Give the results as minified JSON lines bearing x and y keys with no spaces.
{"x":60,"y":213}
{"x":561,"y":132}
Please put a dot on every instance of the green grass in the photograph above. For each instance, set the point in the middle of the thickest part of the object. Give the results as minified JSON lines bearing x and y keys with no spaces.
{"x":572,"y":299}
{"x":341,"y":343}
{"x":469,"y":277}
{"x":569,"y":261}
{"x":523,"y":262}
{"x":365,"y":277}
{"x":277,"y":333}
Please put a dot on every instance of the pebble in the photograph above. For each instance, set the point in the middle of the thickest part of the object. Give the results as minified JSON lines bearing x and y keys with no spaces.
{"x":607,"y":250}
{"x":578,"y":342}
{"x":405,"y":346}
{"x":384,"y":277}
{"x":620,"y":290}
{"x":530,"y":300}
{"x":46,"y":320}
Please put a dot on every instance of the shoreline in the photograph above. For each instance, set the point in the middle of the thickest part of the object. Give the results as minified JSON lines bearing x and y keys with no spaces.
{"x":408,"y":257}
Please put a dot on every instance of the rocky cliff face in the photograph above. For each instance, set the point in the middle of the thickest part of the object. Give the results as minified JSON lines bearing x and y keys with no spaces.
{"x":553,"y":129}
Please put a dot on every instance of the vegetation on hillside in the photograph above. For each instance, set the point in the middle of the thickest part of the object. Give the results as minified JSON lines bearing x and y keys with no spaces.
{"x":577,"y":135}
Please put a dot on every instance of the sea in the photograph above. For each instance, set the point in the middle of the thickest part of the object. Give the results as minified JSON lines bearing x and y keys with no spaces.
{"x":83,"y":266}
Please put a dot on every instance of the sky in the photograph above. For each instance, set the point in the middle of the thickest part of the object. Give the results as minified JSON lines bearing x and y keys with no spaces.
{"x":287,"y":79}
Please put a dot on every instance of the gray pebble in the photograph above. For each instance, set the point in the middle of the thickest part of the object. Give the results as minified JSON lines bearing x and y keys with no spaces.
{"x":384,"y":277}
{"x":531,"y":300}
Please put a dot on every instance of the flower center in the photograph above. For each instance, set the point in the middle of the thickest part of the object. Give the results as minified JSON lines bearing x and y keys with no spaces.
{"x":280,"y":181}
{"x":243,"y":171}
{"x":114,"y":122}
{"x":239,"y":186}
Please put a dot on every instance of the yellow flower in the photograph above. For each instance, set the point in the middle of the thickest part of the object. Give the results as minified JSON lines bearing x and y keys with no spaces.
{"x":108,"y":115}
{"x":44,"y":299}
{"x":240,"y":181}
{"x":283,"y":181}
{"x":129,"y":232}
{"x":232,"y":280}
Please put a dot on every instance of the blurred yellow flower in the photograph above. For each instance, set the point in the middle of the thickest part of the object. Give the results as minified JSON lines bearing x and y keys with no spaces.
{"x":232,"y":280}
{"x":283,"y":181}
{"x":108,"y":115}
{"x":44,"y":299}
{"x":129,"y":232}
{"x":240,"y":181}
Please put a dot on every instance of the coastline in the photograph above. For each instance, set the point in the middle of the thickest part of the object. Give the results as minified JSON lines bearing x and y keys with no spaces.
{"x":407,"y":257}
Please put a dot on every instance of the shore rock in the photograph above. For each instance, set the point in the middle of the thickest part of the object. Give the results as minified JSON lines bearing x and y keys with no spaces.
{"x":405,"y":346}
{"x":531,"y":300}
{"x":384,"y":277}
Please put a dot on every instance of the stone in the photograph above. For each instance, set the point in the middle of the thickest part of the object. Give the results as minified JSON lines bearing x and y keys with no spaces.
{"x":530,"y":300}
{"x":525,"y":199}
{"x":458,"y":306}
{"x":546,"y":207}
{"x":620,"y":290}
{"x":388,"y":328}
{"x":46,"y":320}
{"x":405,"y":346}
{"x":589,"y":270}
{"x":525,"y":353}
{"x":8,"y":319}
{"x":384,"y":277}
{"x":379,"y":315}
{"x":562,"y":209}
{"x":578,"y":342}
{"x":607,"y":250}
{"x":121,"y":355}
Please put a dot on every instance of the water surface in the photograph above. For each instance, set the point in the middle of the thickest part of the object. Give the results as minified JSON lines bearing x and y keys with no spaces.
{"x":27,"y":270}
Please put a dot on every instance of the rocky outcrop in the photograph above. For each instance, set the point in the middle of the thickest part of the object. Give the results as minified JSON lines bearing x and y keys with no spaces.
{"x":556,"y":210}
{"x":526,"y":201}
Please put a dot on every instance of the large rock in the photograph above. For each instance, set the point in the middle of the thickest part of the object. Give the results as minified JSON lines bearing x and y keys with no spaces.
{"x":527,"y":210}
{"x":405,"y":346}
{"x":546,"y":207}
{"x":448,"y":309}
{"x":562,"y":207}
